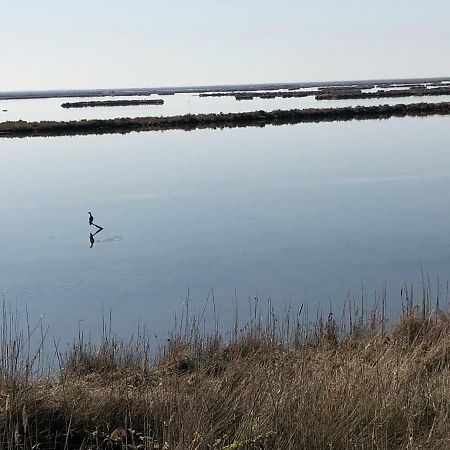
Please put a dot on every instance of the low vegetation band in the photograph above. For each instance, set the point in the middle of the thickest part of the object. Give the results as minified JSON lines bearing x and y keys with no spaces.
{"x":219,"y":120}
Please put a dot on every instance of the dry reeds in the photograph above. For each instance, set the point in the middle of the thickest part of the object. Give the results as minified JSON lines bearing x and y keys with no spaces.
{"x":280,"y":382}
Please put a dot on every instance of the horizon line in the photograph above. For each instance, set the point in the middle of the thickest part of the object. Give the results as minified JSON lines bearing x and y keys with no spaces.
{"x":196,"y":88}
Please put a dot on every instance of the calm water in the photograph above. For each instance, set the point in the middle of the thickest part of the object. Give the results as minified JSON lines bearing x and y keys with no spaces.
{"x":296,"y":213}
{"x":50,"y":109}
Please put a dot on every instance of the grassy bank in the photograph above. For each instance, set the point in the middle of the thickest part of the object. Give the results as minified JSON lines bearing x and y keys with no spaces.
{"x":219,"y":120}
{"x":280,"y":382}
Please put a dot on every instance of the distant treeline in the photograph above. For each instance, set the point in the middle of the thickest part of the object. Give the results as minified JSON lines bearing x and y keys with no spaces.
{"x":193,"y":121}
{"x":112,"y":103}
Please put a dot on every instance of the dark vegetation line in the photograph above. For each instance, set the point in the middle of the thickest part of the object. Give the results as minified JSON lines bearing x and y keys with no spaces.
{"x":411,"y":92}
{"x":292,"y":94}
{"x":250,"y":95}
{"x":279,"y":382}
{"x":263,"y":95}
{"x":112,"y":103}
{"x":230,"y":120}
{"x":338,"y":93}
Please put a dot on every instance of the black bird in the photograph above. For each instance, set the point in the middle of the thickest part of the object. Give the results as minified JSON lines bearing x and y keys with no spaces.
{"x":91,"y":218}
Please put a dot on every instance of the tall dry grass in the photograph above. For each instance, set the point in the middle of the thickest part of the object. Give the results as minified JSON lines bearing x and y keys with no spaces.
{"x":280,"y":382}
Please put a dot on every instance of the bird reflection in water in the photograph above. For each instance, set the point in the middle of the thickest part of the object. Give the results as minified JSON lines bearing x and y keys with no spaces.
{"x":91,"y":236}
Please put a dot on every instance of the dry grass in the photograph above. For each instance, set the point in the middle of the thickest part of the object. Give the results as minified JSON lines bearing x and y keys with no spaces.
{"x":278,"y":383}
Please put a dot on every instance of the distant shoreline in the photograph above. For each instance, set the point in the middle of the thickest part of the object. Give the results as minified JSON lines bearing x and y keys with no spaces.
{"x":218,"y":120}
{"x":122,"y":92}
{"x":400,"y":93}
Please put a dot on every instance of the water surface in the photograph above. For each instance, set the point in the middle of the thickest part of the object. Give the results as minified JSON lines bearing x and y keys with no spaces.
{"x":296,"y":213}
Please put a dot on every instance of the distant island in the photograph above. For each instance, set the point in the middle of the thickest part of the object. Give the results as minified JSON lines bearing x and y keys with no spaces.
{"x":411,"y":92}
{"x":342,"y":92}
{"x":112,"y":103}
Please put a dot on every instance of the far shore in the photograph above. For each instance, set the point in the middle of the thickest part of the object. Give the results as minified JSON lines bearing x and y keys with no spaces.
{"x":218,"y":120}
{"x":399,"y":93}
{"x":122,"y":92}
{"x":342,"y":92}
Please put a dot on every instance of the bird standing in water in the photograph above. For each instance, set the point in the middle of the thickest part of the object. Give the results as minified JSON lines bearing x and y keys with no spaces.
{"x":99,"y":228}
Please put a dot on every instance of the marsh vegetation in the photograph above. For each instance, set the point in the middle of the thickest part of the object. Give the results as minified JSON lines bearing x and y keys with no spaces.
{"x":353,"y":380}
{"x":290,"y":93}
{"x":412,"y":91}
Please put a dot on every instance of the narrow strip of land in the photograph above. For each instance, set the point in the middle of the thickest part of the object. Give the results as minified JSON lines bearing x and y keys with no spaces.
{"x":100,"y":103}
{"x":250,"y":95}
{"x":337,"y":93}
{"x":219,"y":120}
{"x":412,"y":92}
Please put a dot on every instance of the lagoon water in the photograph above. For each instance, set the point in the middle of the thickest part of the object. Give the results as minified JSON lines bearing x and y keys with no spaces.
{"x":303,"y":213}
{"x":50,"y":109}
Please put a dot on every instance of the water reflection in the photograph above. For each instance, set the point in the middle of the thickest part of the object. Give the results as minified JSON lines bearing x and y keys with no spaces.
{"x":91,"y":236}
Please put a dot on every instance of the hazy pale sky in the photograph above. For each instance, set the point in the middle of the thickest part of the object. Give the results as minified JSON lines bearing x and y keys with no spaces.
{"x":56,"y":44}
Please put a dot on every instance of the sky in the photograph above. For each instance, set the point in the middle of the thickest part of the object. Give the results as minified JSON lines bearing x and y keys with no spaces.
{"x":75,"y":44}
